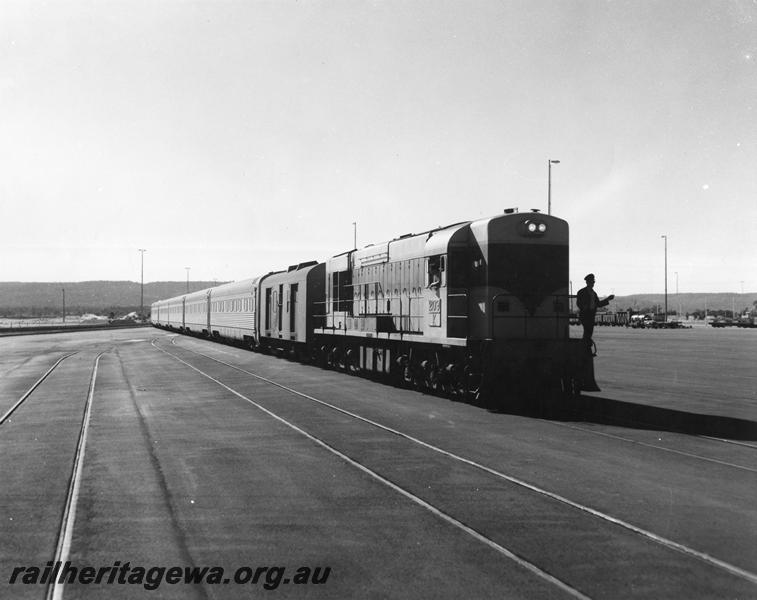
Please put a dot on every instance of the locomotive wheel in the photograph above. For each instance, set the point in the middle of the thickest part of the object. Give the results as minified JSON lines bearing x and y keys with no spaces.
{"x":433,"y":383}
{"x":474,"y":381}
{"x":352,"y":361}
{"x":447,"y":377}
{"x":318,"y":355}
{"x":417,"y":377}
{"x":458,"y":388}
{"x":335,"y":359}
{"x":404,"y":374}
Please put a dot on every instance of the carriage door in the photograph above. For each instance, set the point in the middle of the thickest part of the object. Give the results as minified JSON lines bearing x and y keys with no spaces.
{"x":268,"y":311}
{"x":207,"y":313}
{"x":293,"y":311}
{"x":279,"y":307}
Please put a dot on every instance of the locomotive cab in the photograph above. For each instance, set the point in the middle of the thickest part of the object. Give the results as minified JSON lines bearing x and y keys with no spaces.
{"x":518,"y":306}
{"x":518,"y":278}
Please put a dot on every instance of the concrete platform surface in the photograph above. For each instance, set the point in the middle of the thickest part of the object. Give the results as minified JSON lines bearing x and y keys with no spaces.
{"x":260,"y":476}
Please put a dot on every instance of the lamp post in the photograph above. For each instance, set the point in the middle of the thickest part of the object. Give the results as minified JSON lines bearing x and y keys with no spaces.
{"x":354,"y":235}
{"x":550,"y":162}
{"x":678,"y":298}
{"x":187,"y":268}
{"x":142,"y":284}
{"x":665,"y":237}
{"x":64,"y":304}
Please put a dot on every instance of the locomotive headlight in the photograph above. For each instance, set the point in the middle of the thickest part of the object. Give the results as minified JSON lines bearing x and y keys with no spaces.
{"x":533,"y":227}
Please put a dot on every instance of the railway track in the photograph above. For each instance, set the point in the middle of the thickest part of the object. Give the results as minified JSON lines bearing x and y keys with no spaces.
{"x":65,"y":534}
{"x":593,"y":432}
{"x":72,"y":480}
{"x":604,"y":518}
{"x":504,"y":551}
{"x":666,"y":449}
{"x":218,"y":426}
{"x":6,"y":416}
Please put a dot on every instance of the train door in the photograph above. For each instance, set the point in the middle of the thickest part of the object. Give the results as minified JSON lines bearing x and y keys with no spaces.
{"x":268,"y":310}
{"x":293,"y":310}
{"x":252,"y":309}
{"x":207,"y":311}
{"x":279,"y":307}
{"x":458,"y":266}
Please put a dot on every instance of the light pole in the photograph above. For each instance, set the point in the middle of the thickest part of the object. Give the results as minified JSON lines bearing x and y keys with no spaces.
{"x":142,"y":285}
{"x":354,"y":235}
{"x":678,"y":298}
{"x":187,"y":268}
{"x":549,"y":184}
{"x":64,"y":304}
{"x":665,"y":237}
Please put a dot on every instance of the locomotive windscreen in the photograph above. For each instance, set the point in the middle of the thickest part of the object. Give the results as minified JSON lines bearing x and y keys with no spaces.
{"x":530,"y":272}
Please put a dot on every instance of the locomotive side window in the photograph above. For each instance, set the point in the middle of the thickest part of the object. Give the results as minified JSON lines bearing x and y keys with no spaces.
{"x":341,"y":291}
{"x":433,"y":272}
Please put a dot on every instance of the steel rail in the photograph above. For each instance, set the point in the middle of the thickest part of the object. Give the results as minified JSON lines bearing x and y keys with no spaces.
{"x":662,"y":448}
{"x":65,"y":535}
{"x":670,"y":544}
{"x":31,"y":389}
{"x":522,"y":562}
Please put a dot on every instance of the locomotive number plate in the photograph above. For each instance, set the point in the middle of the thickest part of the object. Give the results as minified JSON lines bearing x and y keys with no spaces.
{"x":435,"y":312}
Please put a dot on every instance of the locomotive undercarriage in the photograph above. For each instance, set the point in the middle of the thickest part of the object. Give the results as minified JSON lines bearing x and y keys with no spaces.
{"x":520,"y":374}
{"x":497,"y":376}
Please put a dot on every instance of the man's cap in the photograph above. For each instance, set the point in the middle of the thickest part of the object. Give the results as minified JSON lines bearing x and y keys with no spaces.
{"x":589,"y":276}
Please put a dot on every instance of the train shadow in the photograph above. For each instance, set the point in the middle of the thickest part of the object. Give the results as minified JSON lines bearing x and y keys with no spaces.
{"x":606,"y":411}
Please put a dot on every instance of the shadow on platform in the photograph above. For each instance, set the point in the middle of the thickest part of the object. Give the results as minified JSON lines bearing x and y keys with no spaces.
{"x":605,"y":411}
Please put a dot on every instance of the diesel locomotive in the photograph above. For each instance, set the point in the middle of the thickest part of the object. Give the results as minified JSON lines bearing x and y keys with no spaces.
{"x":477,"y":310}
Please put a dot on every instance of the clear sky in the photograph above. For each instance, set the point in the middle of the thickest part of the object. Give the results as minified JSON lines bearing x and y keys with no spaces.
{"x":236,"y":138}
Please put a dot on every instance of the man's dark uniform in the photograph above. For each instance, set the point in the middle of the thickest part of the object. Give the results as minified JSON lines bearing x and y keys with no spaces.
{"x":588,"y":303}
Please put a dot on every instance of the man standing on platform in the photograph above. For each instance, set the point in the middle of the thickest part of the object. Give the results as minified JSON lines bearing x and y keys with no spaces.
{"x":588,"y":303}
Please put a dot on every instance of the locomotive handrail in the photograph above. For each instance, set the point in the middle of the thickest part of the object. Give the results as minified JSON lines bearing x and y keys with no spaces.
{"x":414,"y":321}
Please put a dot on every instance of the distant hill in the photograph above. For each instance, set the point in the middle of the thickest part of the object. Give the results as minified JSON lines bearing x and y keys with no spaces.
{"x":121,"y":297}
{"x":688,"y":303}
{"x":99,"y":297}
